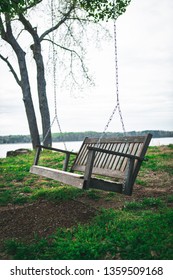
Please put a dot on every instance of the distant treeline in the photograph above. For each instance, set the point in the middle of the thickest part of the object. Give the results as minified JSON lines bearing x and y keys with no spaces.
{"x":79,"y":136}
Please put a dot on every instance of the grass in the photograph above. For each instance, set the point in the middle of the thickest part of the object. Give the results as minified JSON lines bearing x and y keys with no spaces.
{"x":18,"y":186}
{"x":142,"y":229}
{"x":56,"y":194}
{"x":112,"y":235}
{"x":160,"y":159}
{"x":148,"y":202}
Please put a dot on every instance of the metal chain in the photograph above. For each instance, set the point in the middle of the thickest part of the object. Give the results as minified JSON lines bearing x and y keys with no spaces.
{"x":117,"y":78}
{"x":117,"y":105}
{"x":54,"y":56}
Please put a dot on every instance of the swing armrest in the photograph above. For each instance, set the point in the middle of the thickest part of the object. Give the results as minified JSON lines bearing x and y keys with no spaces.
{"x":116,"y":153}
{"x":55,"y":149}
{"x":68,"y":153}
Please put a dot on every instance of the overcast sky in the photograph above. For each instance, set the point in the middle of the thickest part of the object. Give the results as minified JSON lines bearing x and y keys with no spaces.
{"x":145,"y":59}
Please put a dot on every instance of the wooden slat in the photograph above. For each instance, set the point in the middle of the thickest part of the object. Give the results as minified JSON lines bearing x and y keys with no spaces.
{"x":106,"y":157}
{"x":77,"y":167}
{"x":128,"y":149}
{"x":81,"y":153}
{"x":125,"y":139}
{"x":135,"y":148}
{"x":85,"y":155}
{"x":104,"y":172}
{"x":59,"y":175}
{"x":105,"y":185}
{"x":100,"y":156}
{"x":138,"y":152}
{"x":117,"y":158}
{"x":119,"y":164}
{"x":112,"y":157}
{"x":108,"y":172}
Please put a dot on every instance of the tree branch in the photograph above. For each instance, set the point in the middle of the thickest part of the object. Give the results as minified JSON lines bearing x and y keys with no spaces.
{"x":66,"y":15}
{"x":11,"y":69}
{"x":29,"y":27}
{"x":2,"y":29}
{"x":72,"y":52}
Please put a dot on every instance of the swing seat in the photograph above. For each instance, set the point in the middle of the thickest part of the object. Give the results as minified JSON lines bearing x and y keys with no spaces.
{"x":100,"y":165}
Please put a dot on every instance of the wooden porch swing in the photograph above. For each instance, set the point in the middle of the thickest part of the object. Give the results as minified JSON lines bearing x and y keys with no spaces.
{"x":113,"y":158}
{"x":110,"y":164}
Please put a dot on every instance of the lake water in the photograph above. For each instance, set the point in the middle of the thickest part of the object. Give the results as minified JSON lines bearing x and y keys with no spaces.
{"x":71,"y":146}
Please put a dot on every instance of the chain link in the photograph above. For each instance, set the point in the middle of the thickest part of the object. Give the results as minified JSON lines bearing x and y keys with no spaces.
{"x":54,"y":60}
{"x":117,"y":79}
{"x":117,"y":105}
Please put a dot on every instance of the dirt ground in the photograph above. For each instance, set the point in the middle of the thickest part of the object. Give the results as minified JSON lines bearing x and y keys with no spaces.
{"x":43,"y":217}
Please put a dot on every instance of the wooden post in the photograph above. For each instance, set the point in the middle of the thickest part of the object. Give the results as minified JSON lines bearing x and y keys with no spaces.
{"x":127,"y":189}
{"x":37,"y":155}
{"x":88,"y":169}
{"x":66,"y":161}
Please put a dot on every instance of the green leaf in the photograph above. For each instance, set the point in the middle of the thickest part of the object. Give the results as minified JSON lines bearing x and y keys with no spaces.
{"x":104,"y":9}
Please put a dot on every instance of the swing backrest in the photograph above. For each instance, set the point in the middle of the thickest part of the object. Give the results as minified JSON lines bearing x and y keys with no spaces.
{"x":112,"y":165}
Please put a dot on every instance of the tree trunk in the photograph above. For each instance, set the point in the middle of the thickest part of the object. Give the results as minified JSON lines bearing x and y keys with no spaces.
{"x":7,"y":35}
{"x":41,"y":87}
{"x":41,"y":82}
{"x":27,"y":99}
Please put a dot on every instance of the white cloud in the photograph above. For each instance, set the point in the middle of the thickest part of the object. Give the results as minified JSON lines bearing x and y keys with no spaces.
{"x":145,"y":44}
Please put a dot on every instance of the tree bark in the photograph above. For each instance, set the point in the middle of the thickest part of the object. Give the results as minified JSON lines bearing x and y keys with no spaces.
{"x":24,"y":82}
{"x":41,"y":87}
{"x":27,"y":99}
{"x":41,"y":81}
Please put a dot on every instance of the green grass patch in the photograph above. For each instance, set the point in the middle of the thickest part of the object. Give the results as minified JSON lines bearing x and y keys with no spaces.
{"x":152,"y":202}
{"x":159,"y":160}
{"x":94,"y":194}
{"x":146,"y":203}
{"x":6,"y":197}
{"x":170,"y":146}
{"x":54,"y":194}
{"x":20,"y":200}
{"x":112,"y":235}
{"x":142,"y":230}
{"x":169,"y":198}
{"x":141,"y":182}
{"x":18,"y":186}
